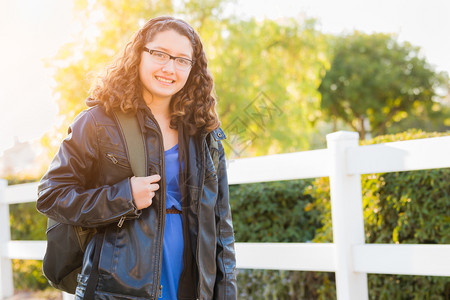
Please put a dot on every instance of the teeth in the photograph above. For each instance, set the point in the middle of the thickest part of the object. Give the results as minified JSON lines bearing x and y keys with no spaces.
{"x":164,"y":80}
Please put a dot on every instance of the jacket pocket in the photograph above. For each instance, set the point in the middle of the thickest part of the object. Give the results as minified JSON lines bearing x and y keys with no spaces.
{"x":118,"y":160}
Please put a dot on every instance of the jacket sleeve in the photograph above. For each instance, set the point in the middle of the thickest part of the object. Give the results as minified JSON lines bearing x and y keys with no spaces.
{"x":62,"y":192}
{"x":226,"y":286}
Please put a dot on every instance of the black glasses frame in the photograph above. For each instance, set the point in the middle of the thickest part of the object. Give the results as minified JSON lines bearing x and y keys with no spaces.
{"x":170,"y":56}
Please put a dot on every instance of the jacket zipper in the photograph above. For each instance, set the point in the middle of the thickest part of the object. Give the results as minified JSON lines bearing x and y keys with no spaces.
{"x":122,"y":219}
{"x":163,"y":206}
{"x":112,"y":158}
{"x":115,"y":161}
{"x":202,"y":176}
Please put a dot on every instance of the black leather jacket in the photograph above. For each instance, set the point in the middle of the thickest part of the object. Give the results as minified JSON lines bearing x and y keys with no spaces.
{"x":88,"y":184}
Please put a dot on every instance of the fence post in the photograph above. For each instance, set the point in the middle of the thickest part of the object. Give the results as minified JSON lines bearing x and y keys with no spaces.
{"x":6,"y":276}
{"x":347,"y":217}
{"x":67,"y":296}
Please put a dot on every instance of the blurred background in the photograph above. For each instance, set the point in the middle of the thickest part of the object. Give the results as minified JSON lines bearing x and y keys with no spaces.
{"x":375,"y":67}
{"x":286,"y":74}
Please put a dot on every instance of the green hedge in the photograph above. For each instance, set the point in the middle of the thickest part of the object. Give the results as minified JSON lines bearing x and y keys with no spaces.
{"x":401,"y":207}
{"x":278,"y":212}
{"x":27,"y":224}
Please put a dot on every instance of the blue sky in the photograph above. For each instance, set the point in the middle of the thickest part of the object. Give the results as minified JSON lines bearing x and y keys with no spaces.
{"x":32,"y":30}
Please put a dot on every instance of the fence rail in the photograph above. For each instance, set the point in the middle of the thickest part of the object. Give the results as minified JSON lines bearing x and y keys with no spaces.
{"x":348,"y":256}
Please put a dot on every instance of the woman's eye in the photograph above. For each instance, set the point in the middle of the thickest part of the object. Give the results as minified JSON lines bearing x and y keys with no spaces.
{"x":159,"y":55}
{"x":183,"y":62}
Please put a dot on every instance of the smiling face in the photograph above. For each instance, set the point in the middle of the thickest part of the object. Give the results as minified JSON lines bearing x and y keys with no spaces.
{"x":161,"y":82}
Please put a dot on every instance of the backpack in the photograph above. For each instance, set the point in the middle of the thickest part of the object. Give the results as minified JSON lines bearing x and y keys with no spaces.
{"x":66,"y":243}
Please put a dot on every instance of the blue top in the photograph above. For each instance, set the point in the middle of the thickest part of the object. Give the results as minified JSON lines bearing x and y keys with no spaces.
{"x":172,"y":261}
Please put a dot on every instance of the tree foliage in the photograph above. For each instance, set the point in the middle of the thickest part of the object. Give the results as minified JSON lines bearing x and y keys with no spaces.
{"x":266,"y":73}
{"x":376,"y":78}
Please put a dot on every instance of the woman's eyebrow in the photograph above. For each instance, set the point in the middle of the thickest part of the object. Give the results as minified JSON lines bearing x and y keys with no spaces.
{"x":168,"y":51}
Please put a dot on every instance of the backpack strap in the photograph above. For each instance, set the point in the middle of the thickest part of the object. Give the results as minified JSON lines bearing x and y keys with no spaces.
{"x":89,"y":293}
{"x":134,"y":140}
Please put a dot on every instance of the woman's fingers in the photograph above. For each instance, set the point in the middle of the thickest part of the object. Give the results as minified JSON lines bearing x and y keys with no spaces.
{"x":153,"y":187}
{"x":143,"y":190}
{"x":153,"y":178}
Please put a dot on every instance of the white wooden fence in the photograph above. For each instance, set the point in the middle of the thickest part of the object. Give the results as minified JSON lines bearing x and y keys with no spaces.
{"x":348,"y":256}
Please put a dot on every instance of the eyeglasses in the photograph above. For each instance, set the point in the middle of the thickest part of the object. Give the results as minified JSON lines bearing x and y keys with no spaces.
{"x":162,"y":58}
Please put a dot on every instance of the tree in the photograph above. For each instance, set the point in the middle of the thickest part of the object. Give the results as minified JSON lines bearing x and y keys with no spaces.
{"x":376,"y":78}
{"x":266,"y":73}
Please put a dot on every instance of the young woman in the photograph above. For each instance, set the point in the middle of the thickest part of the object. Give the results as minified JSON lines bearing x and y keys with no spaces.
{"x":168,"y":235}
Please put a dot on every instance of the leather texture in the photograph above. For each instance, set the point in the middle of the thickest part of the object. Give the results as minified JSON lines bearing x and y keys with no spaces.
{"x":88,"y":184}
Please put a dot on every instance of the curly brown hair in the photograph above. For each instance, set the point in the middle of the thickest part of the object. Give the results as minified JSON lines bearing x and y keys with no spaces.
{"x":120,"y":87}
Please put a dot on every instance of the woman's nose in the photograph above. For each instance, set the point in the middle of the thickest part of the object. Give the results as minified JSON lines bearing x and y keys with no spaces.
{"x":169,"y":67}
